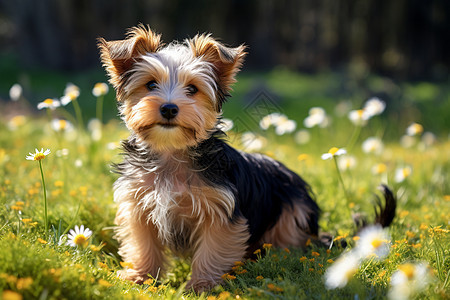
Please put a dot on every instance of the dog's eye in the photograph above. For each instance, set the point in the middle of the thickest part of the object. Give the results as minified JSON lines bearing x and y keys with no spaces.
{"x":151,"y":85}
{"x":191,"y":90}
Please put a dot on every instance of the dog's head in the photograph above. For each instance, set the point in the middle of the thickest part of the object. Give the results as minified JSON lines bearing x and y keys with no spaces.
{"x":170,"y":95}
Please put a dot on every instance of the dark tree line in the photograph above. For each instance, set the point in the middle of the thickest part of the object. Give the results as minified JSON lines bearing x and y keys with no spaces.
{"x":403,"y":38}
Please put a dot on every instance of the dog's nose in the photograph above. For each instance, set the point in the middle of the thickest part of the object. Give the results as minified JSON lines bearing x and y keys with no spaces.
{"x":169,"y":110}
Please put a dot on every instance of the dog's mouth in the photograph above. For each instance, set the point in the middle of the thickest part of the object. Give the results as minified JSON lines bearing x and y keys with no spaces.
{"x":167,"y":125}
{"x":162,"y":125}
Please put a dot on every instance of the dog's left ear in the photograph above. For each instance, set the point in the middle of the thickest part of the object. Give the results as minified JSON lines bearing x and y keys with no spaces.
{"x":226,"y":61}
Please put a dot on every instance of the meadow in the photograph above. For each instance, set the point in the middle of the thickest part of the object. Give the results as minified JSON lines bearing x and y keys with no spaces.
{"x":405,"y":145}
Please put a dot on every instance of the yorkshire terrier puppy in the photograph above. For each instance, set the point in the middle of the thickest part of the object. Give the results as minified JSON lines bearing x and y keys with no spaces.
{"x":181,"y":186}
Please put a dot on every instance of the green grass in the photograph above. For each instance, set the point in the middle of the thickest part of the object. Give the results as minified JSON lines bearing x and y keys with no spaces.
{"x":79,"y":191}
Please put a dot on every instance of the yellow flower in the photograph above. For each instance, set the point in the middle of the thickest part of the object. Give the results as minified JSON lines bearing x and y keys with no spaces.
{"x":259,"y":277}
{"x":287,"y":250}
{"x":414,"y":129}
{"x":10,"y":295}
{"x":42,"y":241}
{"x":26,"y":221}
{"x":257,"y":251}
{"x":303,"y":258}
{"x":104,"y":283}
{"x":24,"y":283}
{"x":379,"y":169}
{"x":302,"y":157}
{"x":149,"y":281}
{"x":330,"y":261}
{"x":39,"y":155}
{"x":316,"y":254}
{"x":267,"y":246}
{"x":49,"y":103}
{"x":312,"y":260}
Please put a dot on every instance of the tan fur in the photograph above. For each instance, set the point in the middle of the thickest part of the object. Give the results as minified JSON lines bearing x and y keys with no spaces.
{"x":286,"y":232}
{"x":218,"y":247}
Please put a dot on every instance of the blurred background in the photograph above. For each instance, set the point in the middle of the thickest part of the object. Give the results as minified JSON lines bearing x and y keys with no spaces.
{"x":45,"y":43}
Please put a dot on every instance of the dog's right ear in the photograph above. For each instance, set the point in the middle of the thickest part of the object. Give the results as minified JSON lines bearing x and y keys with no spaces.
{"x":119,"y":56}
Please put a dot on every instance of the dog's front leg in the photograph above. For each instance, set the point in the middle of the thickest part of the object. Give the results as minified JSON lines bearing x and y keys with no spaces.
{"x":139,"y":244}
{"x":220,"y":244}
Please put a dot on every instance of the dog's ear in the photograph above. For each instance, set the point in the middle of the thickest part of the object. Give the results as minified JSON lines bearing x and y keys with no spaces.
{"x":226,"y":61}
{"x":119,"y":56}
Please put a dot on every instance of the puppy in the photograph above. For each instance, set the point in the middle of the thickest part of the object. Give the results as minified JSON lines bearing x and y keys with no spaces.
{"x":181,"y":186}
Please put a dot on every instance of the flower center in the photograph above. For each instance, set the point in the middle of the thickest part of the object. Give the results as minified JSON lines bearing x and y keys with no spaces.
{"x":376,"y":243}
{"x":48,"y":101}
{"x":80,"y":240}
{"x":407,"y":269}
{"x":333,"y":150}
{"x":39,"y":156}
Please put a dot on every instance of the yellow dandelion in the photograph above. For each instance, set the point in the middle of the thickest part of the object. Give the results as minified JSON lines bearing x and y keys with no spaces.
{"x":149,"y":281}
{"x":423,"y":226}
{"x":224,"y":295}
{"x":26,"y":221}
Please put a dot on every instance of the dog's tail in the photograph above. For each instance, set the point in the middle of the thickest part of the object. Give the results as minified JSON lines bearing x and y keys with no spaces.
{"x":384,"y":215}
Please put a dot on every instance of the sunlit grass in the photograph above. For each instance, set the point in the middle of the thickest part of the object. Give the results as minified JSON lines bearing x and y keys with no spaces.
{"x":39,"y":263}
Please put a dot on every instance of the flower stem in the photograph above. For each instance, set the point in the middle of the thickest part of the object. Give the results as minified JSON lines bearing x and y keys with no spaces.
{"x":45,"y":199}
{"x":100,"y":108}
{"x":354,"y":137}
{"x":340,"y":179}
{"x":77,"y":108}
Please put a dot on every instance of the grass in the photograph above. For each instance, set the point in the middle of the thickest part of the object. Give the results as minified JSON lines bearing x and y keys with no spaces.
{"x":78,"y":182}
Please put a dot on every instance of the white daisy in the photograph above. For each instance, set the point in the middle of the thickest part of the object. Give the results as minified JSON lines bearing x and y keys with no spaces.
{"x":271,"y":119}
{"x":49,"y":103}
{"x":402,"y":173}
{"x":414,"y":129}
{"x":358,"y":117}
{"x":408,"y":280}
{"x":373,"y":241}
{"x":71,"y":93}
{"x":374,"y":106}
{"x":333,"y":152}
{"x":225,"y":124}
{"x":252,"y":142}
{"x":100,"y":89}
{"x":61,"y":125}
{"x":341,"y":271}
{"x":317,"y":117}
{"x":15,"y":92}
{"x":285,"y":126}
{"x":79,"y":236}
{"x":347,"y":162}
{"x":373,"y":145}
{"x":39,"y":155}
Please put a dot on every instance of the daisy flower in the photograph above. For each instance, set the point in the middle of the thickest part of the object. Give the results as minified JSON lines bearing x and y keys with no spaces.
{"x":341,"y":271}
{"x":317,"y":117}
{"x":373,"y":240}
{"x":61,"y":125}
{"x":359,"y":117}
{"x":100,"y":89}
{"x":379,"y":169}
{"x":79,"y":236}
{"x":15,"y":92}
{"x":408,"y":280}
{"x":402,"y":173}
{"x":39,"y":155}
{"x":271,"y":119}
{"x":71,"y":93}
{"x":414,"y":129}
{"x":333,"y":152}
{"x":285,"y":126}
{"x":347,"y":163}
{"x":251,"y":142}
{"x":374,"y":106}
{"x":49,"y":103}
{"x":225,"y":124}
{"x":373,"y":145}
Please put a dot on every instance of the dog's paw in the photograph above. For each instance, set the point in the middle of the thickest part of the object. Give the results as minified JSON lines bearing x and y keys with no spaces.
{"x":131,"y":275}
{"x":200,"y":285}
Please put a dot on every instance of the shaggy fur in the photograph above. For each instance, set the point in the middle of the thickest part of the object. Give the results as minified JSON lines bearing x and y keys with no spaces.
{"x":181,"y":186}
